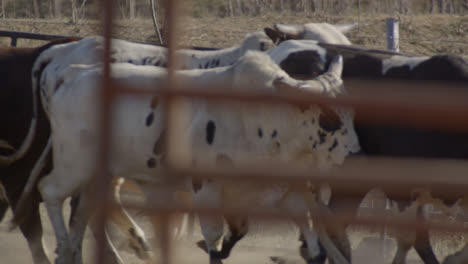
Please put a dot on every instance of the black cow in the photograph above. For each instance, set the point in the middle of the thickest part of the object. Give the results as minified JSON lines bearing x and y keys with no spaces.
{"x":391,"y":140}
{"x":16,"y":110}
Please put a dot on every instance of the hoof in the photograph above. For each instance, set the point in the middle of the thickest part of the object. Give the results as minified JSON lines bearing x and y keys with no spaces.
{"x":215,"y":260}
{"x":201,"y":244}
{"x":64,"y":256}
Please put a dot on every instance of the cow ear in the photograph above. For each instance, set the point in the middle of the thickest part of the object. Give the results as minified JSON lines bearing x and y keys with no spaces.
{"x":273,"y":35}
{"x":290,"y":31}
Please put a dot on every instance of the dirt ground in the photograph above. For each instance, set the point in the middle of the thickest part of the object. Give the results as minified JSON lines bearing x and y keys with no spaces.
{"x":264,"y":240}
{"x":419,"y":35}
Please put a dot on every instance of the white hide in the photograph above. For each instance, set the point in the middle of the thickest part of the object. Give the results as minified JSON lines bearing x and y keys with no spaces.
{"x":73,"y":109}
{"x":89,"y":51}
{"x":322,"y":32}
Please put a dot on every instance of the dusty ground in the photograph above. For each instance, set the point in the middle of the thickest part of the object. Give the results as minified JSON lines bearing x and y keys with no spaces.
{"x":264,"y":240}
{"x":420,"y":35}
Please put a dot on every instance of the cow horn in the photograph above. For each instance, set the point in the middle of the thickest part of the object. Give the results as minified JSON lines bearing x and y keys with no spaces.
{"x":291,"y":31}
{"x":336,"y":65}
{"x":330,"y":80}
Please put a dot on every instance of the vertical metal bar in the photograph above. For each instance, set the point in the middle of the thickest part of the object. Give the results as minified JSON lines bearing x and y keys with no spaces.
{"x":106,"y":96}
{"x":393,"y":34}
{"x":164,"y":223}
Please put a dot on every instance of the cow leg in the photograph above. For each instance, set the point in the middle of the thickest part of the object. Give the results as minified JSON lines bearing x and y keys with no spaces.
{"x":459,"y":257}
{"x":136,"y":236}
{"x":422,"y":245}
{"x":78,"y":222}
{"x":4,"y":205}
{"x":31,"y":226}
{"x":336,"y":230}
{"x":61,"y":183}
{"x":54,"y":203}
{"x":311,"y":249}
{"x":208,"y":194}
{"x":405,"y":238}
{"x":238,"y":227}
{"x":111,"y":253}
{"x":32,"y":230}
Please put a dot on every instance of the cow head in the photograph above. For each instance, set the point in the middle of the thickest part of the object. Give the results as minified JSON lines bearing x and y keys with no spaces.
{"x":256,"y":41}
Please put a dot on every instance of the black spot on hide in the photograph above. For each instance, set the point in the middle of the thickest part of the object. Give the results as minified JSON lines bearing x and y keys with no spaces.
{"x":210,"y":132}
{"x":442,"y":67}
{"x":217,"y":63}
{"x":329,"y":120}
{"x":207,"y":64}
{"x":260,"y":133}
{"x":307,"y":63}
{"x":159,"y":146}
{"x":157,"y":63}
{"x":274,"y":134}
{"x":262,"y":46}
{"x":362,"y":66}
{"x":132,"y":232}
{"x":197,"y":184}
{"x":151,"y":163}
{"x":322,"y":136}
{"x":149,"y":119}
{"x":333,"y":146}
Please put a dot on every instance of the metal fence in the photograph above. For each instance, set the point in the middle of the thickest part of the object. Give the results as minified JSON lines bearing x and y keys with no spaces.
{"x":434,"y":109}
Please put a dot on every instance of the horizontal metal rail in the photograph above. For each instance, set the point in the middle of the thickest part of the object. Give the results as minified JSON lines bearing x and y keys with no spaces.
{"x":15,"y":35}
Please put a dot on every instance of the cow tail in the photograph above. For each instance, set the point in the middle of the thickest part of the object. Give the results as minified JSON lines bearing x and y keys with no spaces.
{"x":18,"y":154}
{"x":22,"y":208}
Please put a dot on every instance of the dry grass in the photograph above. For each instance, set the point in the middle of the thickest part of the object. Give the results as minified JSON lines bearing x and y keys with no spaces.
{"x":420,"y":35}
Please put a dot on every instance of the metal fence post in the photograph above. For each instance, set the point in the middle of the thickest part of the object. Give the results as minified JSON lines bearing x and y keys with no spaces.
{"x":393,"y":34}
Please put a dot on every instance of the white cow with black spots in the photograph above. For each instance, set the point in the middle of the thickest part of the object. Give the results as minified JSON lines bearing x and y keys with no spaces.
{"x":88,"y":51}
{"x":385,"y":140}
{"x":298,"y":137}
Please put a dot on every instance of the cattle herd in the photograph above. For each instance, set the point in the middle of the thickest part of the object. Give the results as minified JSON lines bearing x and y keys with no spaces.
{"x":48,"y":143}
